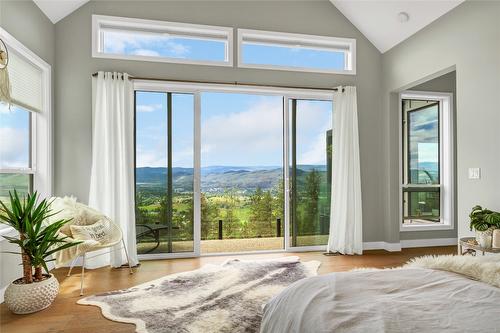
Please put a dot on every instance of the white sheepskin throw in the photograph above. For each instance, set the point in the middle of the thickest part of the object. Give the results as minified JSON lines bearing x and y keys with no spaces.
{"x":485,"y":269}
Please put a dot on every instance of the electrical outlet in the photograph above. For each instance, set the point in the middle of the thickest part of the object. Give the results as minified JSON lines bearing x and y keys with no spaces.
{"x":474,"y":173}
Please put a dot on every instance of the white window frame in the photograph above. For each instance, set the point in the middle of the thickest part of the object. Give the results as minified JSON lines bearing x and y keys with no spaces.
{"x":41,"y":124}
{"x":446,"y":168}
{"x":197,"y":89}
{"x":100,"y":22}
{"x":310,"y":41}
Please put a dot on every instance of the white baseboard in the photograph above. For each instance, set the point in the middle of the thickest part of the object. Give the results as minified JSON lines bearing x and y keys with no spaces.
{"x":407,"y":243}
{"x":391,"y":247}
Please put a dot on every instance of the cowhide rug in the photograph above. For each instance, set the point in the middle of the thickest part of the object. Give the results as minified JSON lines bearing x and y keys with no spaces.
{"x":215,"y":298}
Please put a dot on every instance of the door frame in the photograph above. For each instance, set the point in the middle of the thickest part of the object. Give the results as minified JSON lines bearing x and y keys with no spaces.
{"x":196,"y":89}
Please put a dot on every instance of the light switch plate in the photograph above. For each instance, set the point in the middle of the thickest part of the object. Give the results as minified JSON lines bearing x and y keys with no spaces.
{"x":474,"y":173}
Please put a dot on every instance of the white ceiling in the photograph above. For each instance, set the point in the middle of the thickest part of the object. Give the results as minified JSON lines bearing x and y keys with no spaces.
{"x":378,"y":19}
{"x":58,"y":9}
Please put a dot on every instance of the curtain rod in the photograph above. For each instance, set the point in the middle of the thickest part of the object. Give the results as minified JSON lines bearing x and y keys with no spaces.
{"x":236,"y":83}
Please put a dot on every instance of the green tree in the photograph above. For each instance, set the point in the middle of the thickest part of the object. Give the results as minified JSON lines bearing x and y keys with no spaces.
{"x":209,"y":217}
{"x":312,"y":189}
{"x":279,"y":202}
{"x":255,"y":205}
{"x":230,"y":220}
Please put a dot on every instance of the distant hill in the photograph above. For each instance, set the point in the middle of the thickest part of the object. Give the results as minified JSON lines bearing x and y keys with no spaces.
{"x":218,"y":178}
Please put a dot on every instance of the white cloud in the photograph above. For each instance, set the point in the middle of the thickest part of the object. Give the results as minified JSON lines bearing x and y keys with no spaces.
{"x":238,"y":135}
{"x":252,"y":136}
{"x":427,"y":152}
{"x":4,"y":108}
{"x":14,"y":148}
{"x":150,"y":158}
{"x":148,"y":107}
{"x":146,"y":52}
{"x":255,"y":136}
{"x":316,"y":152}
{"x":143,"y":44}
{"x":177,"y":49}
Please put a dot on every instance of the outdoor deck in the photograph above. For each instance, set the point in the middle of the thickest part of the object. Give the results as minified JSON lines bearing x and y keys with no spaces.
{"x":232,"y":245}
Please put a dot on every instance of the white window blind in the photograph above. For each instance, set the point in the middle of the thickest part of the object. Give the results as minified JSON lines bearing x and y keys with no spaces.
{"x":26,"y":82}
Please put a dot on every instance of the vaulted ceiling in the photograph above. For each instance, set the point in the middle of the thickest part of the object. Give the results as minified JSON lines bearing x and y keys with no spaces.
{"x":385,"y":23}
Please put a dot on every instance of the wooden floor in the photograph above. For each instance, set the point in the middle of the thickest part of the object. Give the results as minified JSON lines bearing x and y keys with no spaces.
{"x":64,"y":315}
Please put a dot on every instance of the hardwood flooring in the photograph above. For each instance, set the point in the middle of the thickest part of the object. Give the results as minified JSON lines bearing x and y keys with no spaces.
{"x":64,"y":315}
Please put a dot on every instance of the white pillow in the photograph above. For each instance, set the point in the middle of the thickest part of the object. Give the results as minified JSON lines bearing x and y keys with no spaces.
{"x":98,"y":231}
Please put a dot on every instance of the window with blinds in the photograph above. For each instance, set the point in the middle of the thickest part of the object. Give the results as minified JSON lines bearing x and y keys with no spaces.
{"x":26,"y":82}
{"x":24,"y":135}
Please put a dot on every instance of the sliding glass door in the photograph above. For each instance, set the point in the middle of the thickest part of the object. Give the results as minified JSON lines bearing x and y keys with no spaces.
{"x":241,"y":172}
{"x":164,"y":172}
{"x":231,"y":170}
{"x":310,"y":134}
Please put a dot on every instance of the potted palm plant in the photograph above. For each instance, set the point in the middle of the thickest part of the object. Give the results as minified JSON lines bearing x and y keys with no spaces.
{"x":38,"y":240}
{"x":484,"y":222}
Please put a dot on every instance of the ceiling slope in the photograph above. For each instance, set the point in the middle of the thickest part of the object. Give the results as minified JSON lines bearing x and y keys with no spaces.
{"x":378,"y":20}
{"x":56,"y":10}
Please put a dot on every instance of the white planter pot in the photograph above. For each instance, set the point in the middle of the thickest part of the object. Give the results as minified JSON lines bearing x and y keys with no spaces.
{"x":33,"y":297}
{"x":484,"y":238}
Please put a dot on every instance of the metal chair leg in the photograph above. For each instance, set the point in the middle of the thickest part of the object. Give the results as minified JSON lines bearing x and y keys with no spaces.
{"x":71,"y":266}
{"x":83,"y":273}
{"x":126,"y":254}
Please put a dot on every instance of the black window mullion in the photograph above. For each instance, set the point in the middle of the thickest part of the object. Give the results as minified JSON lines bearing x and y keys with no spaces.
{"x":169,"y":172}
{"x":293,"y":201}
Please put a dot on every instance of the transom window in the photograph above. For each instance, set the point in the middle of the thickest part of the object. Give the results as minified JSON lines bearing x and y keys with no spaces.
{"x":426,"y":161}
{"x":148,"y":40}
{"x":297,"y":52}
{"x":137,"y":39}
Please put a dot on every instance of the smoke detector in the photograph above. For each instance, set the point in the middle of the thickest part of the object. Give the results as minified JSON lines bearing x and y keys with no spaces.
{"x":403,"y":17}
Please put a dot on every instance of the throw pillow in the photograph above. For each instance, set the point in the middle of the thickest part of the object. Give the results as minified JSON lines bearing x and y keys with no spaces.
{"x":98,"y":231}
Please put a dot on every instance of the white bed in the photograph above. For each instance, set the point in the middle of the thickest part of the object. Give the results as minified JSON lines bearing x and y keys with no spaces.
{"x":438,"y":295}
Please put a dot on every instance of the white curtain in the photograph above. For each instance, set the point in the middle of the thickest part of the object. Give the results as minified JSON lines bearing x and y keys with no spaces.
{"x":346,"y":209}
{"x":112,"y":175}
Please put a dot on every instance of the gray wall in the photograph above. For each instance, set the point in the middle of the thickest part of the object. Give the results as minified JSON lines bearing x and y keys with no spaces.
{"x":24,"y":21}
{"x":75,"y":66}
{"x":446,"y":84}
{"x":468,"y":39}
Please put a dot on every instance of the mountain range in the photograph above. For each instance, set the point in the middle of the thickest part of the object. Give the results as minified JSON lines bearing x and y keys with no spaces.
{"x":217,"y":178}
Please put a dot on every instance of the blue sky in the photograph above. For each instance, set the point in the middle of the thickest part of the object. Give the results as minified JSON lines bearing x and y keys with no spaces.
{"x":294,"y":57}
{"x":157,"y":45}
{"x":424,"y":135}
{"x":14,"y":137}
{"x":236,"y":129}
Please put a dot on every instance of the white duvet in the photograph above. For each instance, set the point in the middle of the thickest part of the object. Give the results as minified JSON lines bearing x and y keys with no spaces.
{"x":411,"y":299}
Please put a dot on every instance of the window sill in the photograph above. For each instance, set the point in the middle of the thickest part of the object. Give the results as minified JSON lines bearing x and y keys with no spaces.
{"x":426,"y":227}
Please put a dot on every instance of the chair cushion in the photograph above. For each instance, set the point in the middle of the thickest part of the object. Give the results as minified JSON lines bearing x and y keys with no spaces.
{"x":68,"y":208}
{"x":99,"y":231}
